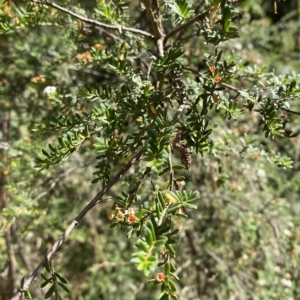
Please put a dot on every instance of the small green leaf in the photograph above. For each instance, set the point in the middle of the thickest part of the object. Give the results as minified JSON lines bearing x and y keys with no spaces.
{"x":49,"y":292}
{"x":148,"y":236}
{"x":22,"y":282}
{"x":64,"y":287}
{"x":60,"y":278}
{"x":52,"y":148}
{"x":179,"y":167}
{"x":152,"y":281}
{"x":43,"y":276}
{"x":164,"y":296}
{"x":167,"y":268}
{"x":161,"y":240}
{"x":62,"y":143}
{"x":47,"y":281}
{"x":164,"y":186}
{"x":170,"y":249}
{"x":27,"y":295}
{"x":172,"y":285}
{"x":143,"y":246}
{"x":46,"y":153}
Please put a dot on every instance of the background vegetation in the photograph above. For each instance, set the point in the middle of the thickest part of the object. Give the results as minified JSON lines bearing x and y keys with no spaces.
{"x":88,"y":96}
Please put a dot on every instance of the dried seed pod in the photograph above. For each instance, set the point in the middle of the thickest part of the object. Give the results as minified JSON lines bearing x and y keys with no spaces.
{"x":185,"y":156}
{"x":183,"y":150}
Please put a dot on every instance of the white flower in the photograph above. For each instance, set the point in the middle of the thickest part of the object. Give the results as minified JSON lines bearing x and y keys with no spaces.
{"x":261,"y":282}
{"x":286,"y":282}
{"x":238,"y":46}
{"x":261,"y":173}
{"x":49,"y":90}
{"x":287,"y":232}
{"x":130,"y":211}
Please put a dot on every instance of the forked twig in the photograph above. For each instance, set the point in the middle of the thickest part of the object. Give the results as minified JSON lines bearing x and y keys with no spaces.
{"x":93,"y":22}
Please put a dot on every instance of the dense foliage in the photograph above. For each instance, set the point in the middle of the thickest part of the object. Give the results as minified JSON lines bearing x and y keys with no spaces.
{"x":166,"y":132}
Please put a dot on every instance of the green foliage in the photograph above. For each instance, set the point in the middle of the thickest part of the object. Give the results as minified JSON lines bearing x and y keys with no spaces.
{"x":56,"y":281}
{"x":180,"y":10}
{"x":82,"y":98}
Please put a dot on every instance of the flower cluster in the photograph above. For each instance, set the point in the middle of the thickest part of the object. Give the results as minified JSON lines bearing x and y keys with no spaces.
{"x":38,"y":79}
{"x":98,"y":47}
{"x":127,"y":216}
{"x":213,"y":71}
{"x":84,"y":57}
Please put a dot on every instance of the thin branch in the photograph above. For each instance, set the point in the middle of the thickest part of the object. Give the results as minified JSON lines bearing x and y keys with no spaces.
{"x":72,"y":226}
{"x":290,"y":111}
{"x":187,"y":24}
{"x":93,"y":22}
{"x":152,"y":8}
{"x":164,"y":213}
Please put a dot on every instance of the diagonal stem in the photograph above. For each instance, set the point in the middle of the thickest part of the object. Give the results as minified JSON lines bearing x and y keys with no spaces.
{"x":72,"y":226}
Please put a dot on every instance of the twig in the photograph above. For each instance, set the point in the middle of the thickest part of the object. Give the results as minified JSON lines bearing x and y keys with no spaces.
{"x":72,"y":226}
{"x":149,"y":70}
{"x":152,"y":8}
{"x":93,"y":22}
{"x":163,"y":214}
{"x":187,"y":24}
{"x":290,"y":111}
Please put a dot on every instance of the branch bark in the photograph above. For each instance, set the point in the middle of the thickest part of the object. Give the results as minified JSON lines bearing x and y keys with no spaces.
{"x":72,"y":226}
{"x":187,"y":24}
{"x":93,"y":22}
{"x":152,"y":8}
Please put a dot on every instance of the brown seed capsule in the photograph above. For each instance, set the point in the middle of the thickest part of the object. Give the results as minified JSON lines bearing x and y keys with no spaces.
{"x":183,"y":150}
{"x":185,"y":157}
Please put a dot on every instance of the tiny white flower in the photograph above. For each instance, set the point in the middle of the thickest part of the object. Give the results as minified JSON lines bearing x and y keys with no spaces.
{"x":286,"y":282}
{"x":261,"y":282}
{"x":49,"y":90}
{"x":287,"y":232}
{"x":130,"y":211}
{"x":245,"y":256}
{"x":261,"y":173}
{"x":238,"y":46}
